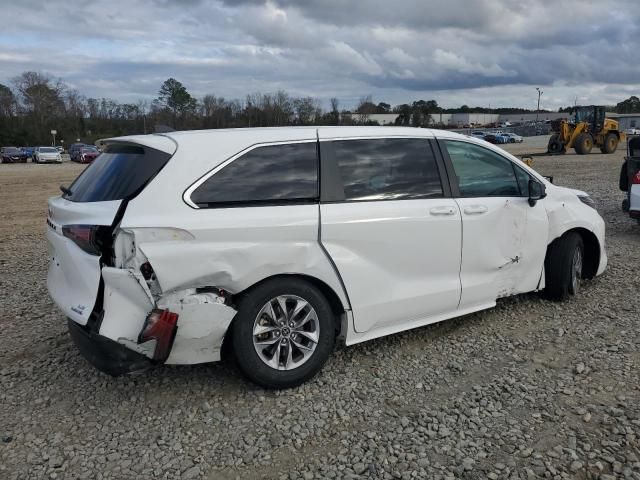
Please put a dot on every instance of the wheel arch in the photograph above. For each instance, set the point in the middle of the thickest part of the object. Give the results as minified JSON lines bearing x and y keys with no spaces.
{"x":338,"y":308}
{"x":591,"y":250}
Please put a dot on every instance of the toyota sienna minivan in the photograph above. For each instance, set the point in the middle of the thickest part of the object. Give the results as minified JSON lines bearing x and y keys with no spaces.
{"x":278,"y":242}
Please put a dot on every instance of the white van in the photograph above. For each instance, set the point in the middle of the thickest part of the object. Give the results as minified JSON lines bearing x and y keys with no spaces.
{"x":279,"y":241}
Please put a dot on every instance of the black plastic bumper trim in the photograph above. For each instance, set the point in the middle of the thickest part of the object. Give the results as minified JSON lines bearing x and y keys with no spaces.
{"x":105,"y":354}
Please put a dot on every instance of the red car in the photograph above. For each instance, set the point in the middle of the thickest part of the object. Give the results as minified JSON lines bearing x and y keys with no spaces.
{"x":88,"y":154}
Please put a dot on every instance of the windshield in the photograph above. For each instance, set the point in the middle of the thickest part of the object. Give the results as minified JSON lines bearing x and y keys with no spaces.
{"x":12,"y":150}
{"x":47,"y":150}
{"x":120,"y":172}
{"x":89,"y":149}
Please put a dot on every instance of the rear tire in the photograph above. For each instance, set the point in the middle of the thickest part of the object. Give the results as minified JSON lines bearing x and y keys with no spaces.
{"x":610,"y":143}
{"x":555,"y":145}
{"x":276,"y":358}
{"x":563,"y":267}
{"x":583,"y":144}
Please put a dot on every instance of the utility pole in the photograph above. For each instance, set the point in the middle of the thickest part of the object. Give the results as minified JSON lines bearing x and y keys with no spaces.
{"x":540,"y":92}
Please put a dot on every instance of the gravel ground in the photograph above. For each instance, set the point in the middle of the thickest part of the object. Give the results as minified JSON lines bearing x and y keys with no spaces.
{"x":530,"y":389}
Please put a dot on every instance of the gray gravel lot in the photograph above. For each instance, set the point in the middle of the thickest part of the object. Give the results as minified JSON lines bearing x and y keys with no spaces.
{"x":530,"y":389}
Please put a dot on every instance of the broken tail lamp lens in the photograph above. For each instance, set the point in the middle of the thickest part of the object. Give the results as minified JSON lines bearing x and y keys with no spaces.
{"x":84,"y":236}
{"x":161,"y":326}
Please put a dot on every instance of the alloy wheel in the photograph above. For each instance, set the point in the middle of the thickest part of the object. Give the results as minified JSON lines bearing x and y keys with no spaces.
{"x":286,"y":332}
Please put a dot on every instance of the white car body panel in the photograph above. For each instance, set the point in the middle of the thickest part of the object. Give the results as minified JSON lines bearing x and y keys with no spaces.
{"x":503,"y":248}
{"x":127,"y":302}
{"x":393,"y":265}
{"x":202,"y":324}
{"x":246,"y":246}
{"x":74,"y":275}
{"x":634,"y":197}
{"x":406,"y":251}
{"x":158,"y":141}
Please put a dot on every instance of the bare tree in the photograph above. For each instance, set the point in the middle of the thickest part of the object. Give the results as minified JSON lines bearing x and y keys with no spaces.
{"x":307,"y":110}
{"x":8,"y":102}
{"x":335,"y":111}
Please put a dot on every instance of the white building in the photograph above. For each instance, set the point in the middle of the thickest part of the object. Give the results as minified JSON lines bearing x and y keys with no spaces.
{"x":626,"y":120}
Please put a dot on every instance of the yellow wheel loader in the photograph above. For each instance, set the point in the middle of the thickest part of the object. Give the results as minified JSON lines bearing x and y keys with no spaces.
{"x":587,"y":128}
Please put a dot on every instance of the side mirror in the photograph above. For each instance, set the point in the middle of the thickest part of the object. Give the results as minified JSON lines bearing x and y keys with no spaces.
{"x":537,"y":191}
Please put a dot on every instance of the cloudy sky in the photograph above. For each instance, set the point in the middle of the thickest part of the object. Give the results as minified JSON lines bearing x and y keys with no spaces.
{"x":475,"y":52}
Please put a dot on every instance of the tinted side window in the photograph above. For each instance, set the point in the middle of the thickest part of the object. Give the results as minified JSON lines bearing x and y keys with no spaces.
{"x":387,"y":169}
{"x":482,"y":172}
{"x":523,"y":181}
{"x":273,"y":173}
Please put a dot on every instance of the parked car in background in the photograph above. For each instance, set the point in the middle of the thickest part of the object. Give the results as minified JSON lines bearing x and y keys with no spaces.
{"x":633,"y":131}
{"x":74,"y":151}
{"x":60,"y":148}
{"x":630,"y":179}
{"x":158,"y":253}
{"x":28,"y":151}
{"x":46,"y":155}
{"x":496,"y":138}
{"x":478,"y":134}
{"x":87,"y":154}
{"x":512,"y":137}
{"x":12,"y":155}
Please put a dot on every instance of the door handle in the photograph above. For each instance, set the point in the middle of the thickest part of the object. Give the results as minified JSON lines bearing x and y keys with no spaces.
{"x":476,"y":209}
{"x":443,"y":210}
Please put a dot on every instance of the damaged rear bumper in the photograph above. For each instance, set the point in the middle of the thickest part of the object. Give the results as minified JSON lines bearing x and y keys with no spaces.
{"x":127,"y":334}
{"x":105,"y":354}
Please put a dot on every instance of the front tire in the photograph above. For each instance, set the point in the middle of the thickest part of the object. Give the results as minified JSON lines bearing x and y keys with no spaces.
{"x":610,"y":144}
{"x":583,"y":144}
{"x":555,"y":145}
{"x":563,"y":267}
{"x":283,"y":333}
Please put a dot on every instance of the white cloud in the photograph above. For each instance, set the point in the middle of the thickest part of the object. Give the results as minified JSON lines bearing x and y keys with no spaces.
{"x":454,"y":51}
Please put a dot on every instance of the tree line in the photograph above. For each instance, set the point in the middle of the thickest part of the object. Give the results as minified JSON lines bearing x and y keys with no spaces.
{"x":37,"y":103}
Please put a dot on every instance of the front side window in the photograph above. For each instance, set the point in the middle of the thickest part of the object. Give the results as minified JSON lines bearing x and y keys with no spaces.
{"x":523,"y":180}
{"x":482,"y":172}
{"x":387,"y":169}
{"x":268,"y":174}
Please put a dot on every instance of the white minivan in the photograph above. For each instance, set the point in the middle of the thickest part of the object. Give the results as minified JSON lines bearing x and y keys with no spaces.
{"x":276,"y":242}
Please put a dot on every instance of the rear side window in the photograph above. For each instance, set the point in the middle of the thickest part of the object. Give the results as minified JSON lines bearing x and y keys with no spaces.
{"x":387,"y":169}
{"x":269,"y":174}
{"x":120,"y":172}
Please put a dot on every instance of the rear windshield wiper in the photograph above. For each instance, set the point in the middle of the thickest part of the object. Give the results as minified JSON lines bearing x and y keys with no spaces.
{"x":65,"y":190}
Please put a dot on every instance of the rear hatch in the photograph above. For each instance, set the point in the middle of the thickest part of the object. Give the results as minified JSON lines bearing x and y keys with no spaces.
{"x":81,"y":222}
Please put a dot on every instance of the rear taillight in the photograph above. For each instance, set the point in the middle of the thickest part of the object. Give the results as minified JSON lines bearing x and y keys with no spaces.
{"x":85,"y":236}
{"x":635,"y":180}
{"x":161,"y":326}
